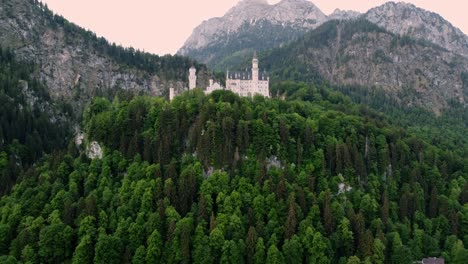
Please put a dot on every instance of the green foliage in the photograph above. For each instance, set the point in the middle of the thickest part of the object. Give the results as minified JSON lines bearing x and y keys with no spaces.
{"x":30,"y":121}
{"x":229,"y":179}
{"x":167,"y":67}
{"x":242,"y":44}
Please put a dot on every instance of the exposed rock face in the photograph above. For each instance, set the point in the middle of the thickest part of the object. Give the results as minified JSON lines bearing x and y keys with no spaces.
{"x":359,"y":53}
{"x":407,"y":19}
{"x":251,"y":25}
{"x":300,"y":13}
{"x":417,"y":57}
{"x":79,"y":137}
{"x":343,"y":14}
{"x":94,"y":151}
{"x":70,"y":65}
{"x":256,"y":25}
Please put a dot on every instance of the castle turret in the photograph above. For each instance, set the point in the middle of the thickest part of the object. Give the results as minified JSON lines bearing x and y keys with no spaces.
{"x":254,"y":88}
{"x":255,"y":67}
{"x":192,"y":78}
{"x":171,"y":93}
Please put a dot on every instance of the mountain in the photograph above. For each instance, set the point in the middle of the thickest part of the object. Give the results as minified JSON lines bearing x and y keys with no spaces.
{"x":359,"y":53}
{"x":407,"y":19}
{"x":250,"y":25}
{"x":339,"y":14}
{"x":75,"y":64}
{"x":255,"y":25}
{"x":31,"y":122}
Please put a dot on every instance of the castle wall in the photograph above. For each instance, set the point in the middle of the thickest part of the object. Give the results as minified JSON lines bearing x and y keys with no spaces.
{"x":241,"y":84}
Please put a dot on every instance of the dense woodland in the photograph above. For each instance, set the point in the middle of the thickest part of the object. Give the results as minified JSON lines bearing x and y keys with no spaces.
{"x":319,"y":174}
{"x":448,"y":130}
{"x":219,"y":178}
{"x":31,"y":123}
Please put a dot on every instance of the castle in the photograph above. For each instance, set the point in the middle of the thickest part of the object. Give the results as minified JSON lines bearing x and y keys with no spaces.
{"x":244,"y":83}
{"x":249,"y":83}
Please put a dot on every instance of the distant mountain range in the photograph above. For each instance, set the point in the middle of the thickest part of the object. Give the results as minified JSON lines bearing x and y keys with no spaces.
{"x":359,"y":53}
{"x":410,"y":53}
{"x":257,"y":25}
{"x":250,"y":25}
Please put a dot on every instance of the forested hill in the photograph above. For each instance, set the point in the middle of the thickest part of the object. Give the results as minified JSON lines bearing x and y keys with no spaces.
{"x":31,"y":122}
{"x":219,"y":178}
{"x":76,"y":65}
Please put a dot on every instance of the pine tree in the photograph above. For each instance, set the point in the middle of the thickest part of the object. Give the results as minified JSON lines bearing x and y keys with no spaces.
{"x":292,"y":250}
{"x":260,"y":252}
{"x":378,"y":256}
{"x":251,"y":242}
{"x":291,"y":221}
{"x":155,"y":247}
{"x":139,"y":256}
{"x":327,"y":214}
{"x":84,"y":251}
{"x":274,"y":256}
{"x":433,"y":203}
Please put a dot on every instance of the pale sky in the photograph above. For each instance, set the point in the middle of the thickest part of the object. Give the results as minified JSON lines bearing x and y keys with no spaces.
{"x":162,"y":26}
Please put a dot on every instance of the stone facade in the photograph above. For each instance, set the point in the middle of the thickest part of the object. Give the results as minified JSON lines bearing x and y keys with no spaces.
{"x":249,"y":82}
{"x":244,"y":83}
{"x":213,"y":87}
{"x":192,"y":78}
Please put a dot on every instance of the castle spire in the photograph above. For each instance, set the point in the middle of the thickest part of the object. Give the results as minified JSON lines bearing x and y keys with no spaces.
{"x":192,"y":78}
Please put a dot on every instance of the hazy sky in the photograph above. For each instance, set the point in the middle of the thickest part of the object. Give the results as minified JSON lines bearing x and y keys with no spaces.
{"x":162,"y":26}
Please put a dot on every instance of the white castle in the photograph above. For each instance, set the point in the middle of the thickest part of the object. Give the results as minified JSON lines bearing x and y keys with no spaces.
{"x":244,"y":83}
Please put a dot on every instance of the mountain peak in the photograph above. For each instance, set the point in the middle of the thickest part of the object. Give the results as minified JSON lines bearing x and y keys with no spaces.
{"x":253,"y":2}
{"x":407,"y":19}
{"x":400,"y":4}
{"x":295,"y":1}
{"x":298,"y":15}
{"x":343,"y":14}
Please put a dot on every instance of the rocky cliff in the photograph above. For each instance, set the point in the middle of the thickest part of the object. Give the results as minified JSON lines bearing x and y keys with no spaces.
{"x":250,"y":25}
{"x":343,"y":14}
{"x":75,"y":64}
{"x":256,"y":25}
{"x":359,"y":53}
{"x":407,"y":19}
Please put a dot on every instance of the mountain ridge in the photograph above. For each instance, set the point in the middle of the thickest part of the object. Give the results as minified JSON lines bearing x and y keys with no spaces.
{"x":407,"y":19}
{"x":361,"y":53}
{"x":76,"y":65}
{"x":286,"y":21}
{"x":285,"y":13}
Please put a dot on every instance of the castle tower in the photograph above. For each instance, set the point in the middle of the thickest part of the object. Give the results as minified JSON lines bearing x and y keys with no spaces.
{"x":171,"y":93}
{"x":192,"y":78}
{"x":255,"y":67}
{"x":254,"y":88}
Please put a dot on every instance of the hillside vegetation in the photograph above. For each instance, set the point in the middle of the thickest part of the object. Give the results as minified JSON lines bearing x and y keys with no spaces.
{"x":219,"y":178}
{"x":31,"y":122}
{"x":76,"y":65}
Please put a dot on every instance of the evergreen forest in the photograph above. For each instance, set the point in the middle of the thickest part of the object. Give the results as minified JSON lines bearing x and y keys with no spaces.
{"x":225,"y":179}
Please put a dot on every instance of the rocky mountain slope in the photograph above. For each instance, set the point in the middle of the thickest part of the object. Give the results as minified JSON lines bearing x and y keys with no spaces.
{"x":407,"y":19}
{"x":255,"y":25}
{"x":251,"y":25}
{"x":343,"y":14}
{"x":75,"y":64}
{"x":359,"y":53}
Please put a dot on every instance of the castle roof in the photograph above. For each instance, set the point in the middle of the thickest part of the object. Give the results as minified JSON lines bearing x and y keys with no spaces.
{"x":246,"y":75}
